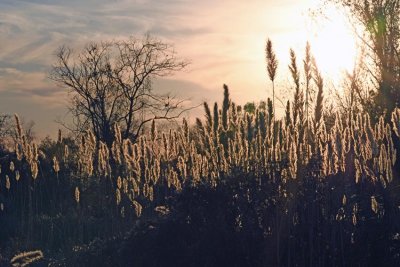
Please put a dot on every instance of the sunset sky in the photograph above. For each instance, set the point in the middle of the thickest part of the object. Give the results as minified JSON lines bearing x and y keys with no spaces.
{"x":223,"y":39}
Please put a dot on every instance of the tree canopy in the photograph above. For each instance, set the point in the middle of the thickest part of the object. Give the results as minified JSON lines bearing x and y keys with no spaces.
{"x":380,"y":20}
{"x":110,"y":83}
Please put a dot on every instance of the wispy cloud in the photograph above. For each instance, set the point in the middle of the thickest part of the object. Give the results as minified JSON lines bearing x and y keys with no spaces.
{"x":224,"y":39}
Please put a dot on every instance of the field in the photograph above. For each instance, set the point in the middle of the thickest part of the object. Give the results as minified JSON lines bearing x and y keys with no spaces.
{"x":237,"y":188}
{"x":296,"y":163}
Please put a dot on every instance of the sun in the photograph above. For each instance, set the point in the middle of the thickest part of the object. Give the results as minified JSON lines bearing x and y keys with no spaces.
{"x":333,"y":44}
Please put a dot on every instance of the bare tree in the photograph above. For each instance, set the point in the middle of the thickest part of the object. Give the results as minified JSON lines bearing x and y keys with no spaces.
{"x":5,"y":129}
{"x":8,"y":131}
{"x":5,"y":125}
{"x":110,"y":82}
{"x":381,"y":22}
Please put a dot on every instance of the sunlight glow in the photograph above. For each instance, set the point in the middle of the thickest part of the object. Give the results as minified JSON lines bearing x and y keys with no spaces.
{"x":333,"y":44}
{"x":330,"y":34}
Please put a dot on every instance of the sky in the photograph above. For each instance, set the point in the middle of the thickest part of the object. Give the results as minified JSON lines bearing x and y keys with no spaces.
{"x":224,"y":41}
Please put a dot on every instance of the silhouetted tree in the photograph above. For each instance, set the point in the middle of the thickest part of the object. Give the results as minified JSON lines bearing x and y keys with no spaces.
{"x":250,"y":107}
{"x":110,"y":82}
{"x":381,"y":22}
{"x":5,"y":128}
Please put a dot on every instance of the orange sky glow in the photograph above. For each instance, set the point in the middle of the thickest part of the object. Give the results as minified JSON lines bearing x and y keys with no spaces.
{"x":224,"y":40}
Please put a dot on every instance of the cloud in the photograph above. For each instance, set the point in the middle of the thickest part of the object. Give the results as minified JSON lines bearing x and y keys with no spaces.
{"x":32,"y":86}
{"x":224,"y":40}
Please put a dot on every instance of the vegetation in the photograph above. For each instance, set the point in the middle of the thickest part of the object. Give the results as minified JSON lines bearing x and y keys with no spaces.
{"x":237,"y":183}
{"x":380,"y":37}
{"x":241,"y":187}
{"x":110,"y":82}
